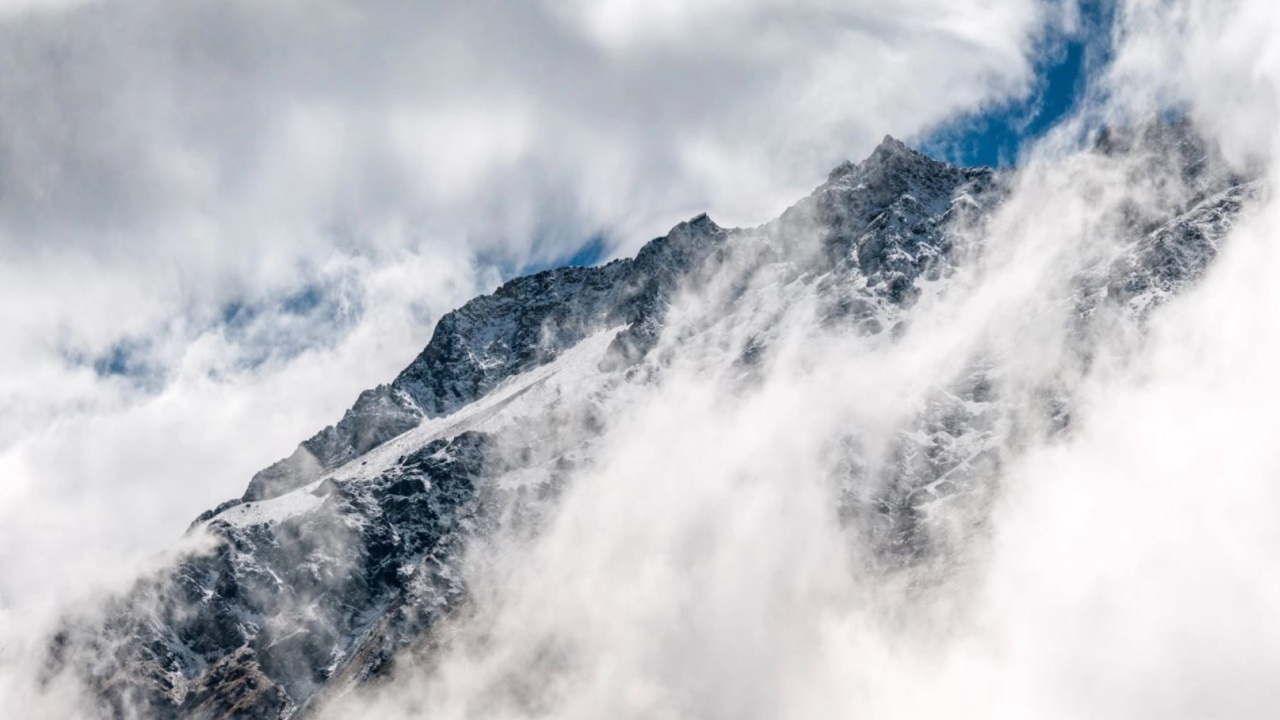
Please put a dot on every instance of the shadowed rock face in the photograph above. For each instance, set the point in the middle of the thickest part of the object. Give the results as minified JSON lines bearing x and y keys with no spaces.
{"x":313,"y":582}
{"x":261,"y":621}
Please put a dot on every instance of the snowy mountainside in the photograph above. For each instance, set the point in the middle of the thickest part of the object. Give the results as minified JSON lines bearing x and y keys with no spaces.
{"x":349,"y":553}
{"x":523,"y":324}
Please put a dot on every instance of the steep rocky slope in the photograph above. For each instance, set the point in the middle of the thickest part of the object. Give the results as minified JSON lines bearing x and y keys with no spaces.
{"x":347,"y":552}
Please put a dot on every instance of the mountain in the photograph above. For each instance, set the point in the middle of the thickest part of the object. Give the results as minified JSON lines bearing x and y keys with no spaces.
{"x":350,"y":553}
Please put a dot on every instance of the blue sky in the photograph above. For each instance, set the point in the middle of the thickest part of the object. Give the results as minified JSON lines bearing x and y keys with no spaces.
{"x":996,"y":136}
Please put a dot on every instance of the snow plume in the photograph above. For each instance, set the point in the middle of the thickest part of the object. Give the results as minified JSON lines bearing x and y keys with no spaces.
{"x":1113,"y":557}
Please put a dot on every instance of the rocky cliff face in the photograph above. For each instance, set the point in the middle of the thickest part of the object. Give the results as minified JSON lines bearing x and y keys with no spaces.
{"x":525,"y":323}
{"x":345,"y":554}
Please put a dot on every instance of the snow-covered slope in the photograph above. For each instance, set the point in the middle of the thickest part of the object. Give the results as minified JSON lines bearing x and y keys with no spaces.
{"x":343,"y":555}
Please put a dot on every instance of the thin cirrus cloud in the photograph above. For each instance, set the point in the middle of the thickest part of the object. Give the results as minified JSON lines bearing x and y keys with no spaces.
{"x":177,"y":175}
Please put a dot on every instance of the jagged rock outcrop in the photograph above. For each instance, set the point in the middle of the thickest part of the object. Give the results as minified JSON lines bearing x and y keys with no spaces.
{"x":525,"y":323}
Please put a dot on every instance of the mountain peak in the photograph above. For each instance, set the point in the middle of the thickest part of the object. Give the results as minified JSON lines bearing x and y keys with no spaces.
{"x":890,"y":150}
{"x":701,"y":223}
{"x":892,"y":144}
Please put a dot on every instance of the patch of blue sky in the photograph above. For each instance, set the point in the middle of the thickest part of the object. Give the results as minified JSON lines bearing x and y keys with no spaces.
{"x":275,"y":329}
{"x":281,"y":328}
{"x":593,"y":251}
{"x":998,"y":134}
{"x":129,"y":359}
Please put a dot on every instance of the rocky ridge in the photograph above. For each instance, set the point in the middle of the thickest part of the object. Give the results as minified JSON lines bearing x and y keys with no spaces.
{"x":345,"y":554}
